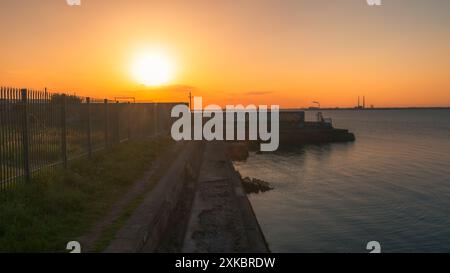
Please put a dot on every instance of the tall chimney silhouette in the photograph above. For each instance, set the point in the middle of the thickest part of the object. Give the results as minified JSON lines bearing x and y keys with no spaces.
{"x":364,"y":102}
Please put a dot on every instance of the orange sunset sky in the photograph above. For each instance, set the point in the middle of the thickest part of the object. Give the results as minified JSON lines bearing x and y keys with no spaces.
{"x":286,"y":52}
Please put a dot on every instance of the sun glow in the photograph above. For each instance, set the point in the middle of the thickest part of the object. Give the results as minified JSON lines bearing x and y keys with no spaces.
{"x":152,"y":68}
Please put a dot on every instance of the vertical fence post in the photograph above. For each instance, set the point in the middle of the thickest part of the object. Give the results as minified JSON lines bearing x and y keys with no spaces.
{"x":155,"y":114}
{"x":106,"y":124}
{"x":129,"y":121}
{"x":89,"y":127}
{"x":64,"y":130}
{"x":25,"y":135}
{"x":117,"y":123}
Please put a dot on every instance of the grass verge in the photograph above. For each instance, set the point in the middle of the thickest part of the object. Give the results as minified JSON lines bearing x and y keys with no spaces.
{"x":55,"y":208}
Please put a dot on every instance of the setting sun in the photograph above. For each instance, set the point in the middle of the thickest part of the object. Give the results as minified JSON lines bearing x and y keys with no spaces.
{"x":152,"y":69}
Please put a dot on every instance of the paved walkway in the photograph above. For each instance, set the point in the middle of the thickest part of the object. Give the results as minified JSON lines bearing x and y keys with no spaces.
{"x":221,"y":220}
{"x":144,"y":229}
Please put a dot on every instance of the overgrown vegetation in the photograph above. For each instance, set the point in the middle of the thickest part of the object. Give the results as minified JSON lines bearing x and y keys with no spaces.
{"x":42,"y":216}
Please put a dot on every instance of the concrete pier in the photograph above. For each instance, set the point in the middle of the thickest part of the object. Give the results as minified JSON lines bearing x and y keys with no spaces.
{"x":221,"y":219}
{"x":197,"y":206}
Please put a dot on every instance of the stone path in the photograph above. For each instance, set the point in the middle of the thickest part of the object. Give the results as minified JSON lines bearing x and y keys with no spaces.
{"x":222,"y":220}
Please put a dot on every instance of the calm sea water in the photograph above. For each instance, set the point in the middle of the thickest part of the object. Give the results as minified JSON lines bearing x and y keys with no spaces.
{"x":392,"y":186}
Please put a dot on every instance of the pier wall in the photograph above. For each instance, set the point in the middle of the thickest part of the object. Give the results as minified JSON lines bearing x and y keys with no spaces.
{"x":148,"y":224}
{"x":198,"y":205}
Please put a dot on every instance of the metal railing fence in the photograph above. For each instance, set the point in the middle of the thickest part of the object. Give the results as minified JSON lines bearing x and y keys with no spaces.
{"x":40,"y":130}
